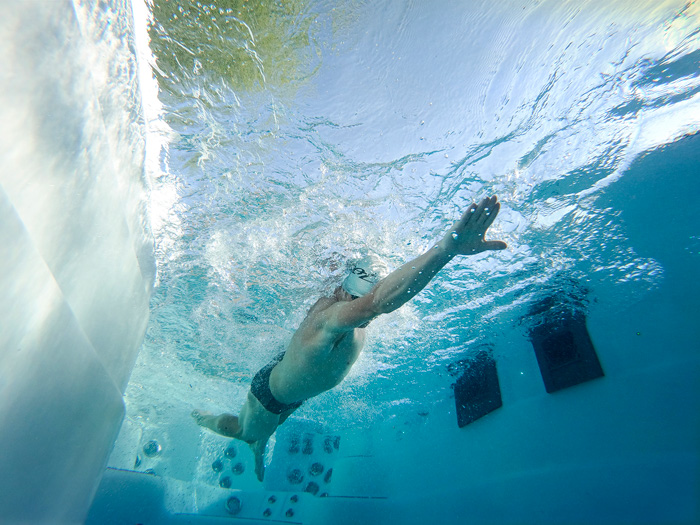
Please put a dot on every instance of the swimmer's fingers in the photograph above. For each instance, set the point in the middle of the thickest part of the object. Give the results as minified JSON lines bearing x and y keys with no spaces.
{"x":494,"y":245}
{"x":480,"y":215}
{"x":467,"y":218}
{"x":484,"y":210}
{"x":489,"y":215}
{"x":473,"y":224}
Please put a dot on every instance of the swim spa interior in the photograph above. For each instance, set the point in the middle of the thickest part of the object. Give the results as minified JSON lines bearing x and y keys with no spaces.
{"x":180,"y":181}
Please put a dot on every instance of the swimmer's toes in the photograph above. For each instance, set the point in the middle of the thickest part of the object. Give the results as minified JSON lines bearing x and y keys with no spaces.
{"x":198,"y":416}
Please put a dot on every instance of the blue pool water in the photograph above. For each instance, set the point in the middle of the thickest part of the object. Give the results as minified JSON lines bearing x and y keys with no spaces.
{"x":303,"y":134}
{"x":306,"y":134}
{"x":281,"y":139}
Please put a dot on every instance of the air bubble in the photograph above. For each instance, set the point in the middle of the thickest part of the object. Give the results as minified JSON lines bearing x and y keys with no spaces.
{"x":454,"y":235}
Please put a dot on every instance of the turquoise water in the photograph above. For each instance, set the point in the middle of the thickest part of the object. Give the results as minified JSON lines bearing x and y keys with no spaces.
{"x":299,"y":135}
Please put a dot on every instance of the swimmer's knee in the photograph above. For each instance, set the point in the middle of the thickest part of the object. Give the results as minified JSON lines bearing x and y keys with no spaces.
{"x":228,"y":425}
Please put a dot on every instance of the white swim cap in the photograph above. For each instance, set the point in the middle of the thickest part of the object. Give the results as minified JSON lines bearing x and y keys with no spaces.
{"x":364,"y":274}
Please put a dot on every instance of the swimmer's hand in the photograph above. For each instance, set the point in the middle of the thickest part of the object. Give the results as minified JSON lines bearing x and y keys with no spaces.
{"x":467,"y":236}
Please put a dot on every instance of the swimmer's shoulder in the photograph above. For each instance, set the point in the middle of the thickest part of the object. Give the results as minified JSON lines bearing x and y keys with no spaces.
{"x":319,"y":306}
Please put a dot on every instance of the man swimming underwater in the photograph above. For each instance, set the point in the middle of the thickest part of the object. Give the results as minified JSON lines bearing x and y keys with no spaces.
{"x":330,"y":338}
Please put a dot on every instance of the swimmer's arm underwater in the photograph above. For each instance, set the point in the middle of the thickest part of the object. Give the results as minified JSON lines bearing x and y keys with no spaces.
{"x":466,"y":237}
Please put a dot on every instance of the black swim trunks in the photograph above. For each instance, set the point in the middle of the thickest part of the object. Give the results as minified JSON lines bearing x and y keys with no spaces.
{"x":260,"y":388}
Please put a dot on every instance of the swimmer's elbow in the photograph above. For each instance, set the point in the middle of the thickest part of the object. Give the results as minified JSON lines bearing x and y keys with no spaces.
{"x":382,"y":305}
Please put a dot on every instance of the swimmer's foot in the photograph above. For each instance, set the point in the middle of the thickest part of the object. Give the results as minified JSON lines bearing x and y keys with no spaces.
{"x":204,"y":419}
{"x":225,"y":424}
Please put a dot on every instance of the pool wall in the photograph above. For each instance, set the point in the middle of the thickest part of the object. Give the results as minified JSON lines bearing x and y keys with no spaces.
{"x":76,"y":270}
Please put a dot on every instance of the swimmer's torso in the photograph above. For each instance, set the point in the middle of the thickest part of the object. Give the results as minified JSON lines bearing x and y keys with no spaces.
{"x":315,"y":360}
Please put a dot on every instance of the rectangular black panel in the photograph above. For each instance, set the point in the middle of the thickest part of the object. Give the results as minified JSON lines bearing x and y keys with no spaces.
{"x":477,"y":391}
{"x":565,"y":352}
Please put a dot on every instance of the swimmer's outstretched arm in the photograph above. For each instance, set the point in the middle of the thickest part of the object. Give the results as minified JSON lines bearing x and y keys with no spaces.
{"x":466,"y":237}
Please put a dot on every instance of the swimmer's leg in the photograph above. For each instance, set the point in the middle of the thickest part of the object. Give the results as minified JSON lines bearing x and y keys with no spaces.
{"x":286,"y":414}
{"x":227,"y":425}
{"x":258,"y":449}
{"x":253,"y":423}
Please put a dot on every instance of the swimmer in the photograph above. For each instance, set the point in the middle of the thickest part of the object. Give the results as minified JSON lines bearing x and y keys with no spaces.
{"x":330,"y":338}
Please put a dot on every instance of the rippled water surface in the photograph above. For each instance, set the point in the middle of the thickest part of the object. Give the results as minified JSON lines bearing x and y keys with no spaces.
{"x":302,"y":133}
